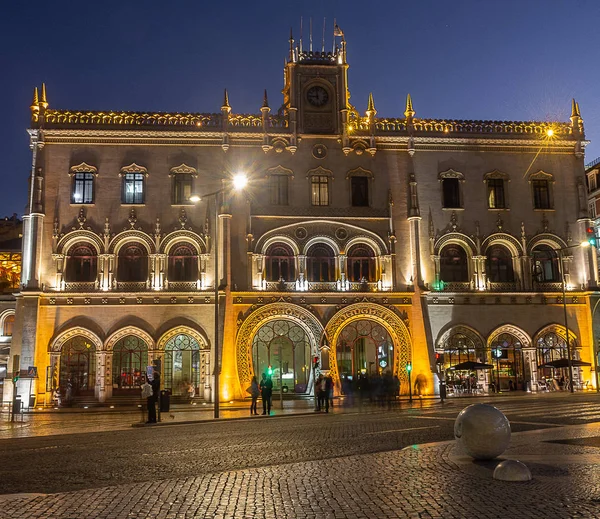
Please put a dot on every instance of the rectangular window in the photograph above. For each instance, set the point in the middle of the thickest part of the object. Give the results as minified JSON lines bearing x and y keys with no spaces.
{"x":360,"y":191}
{"x":451,"y":193}
{"x":541,"y":194}
{"x":319,"y":190}
{"x":592,"y":182}
{"x":278,"y":188}
{"x":182,"y":189}
{"x":495,"y":188}
{"x":133,"y":188}
{"x":83,"y":188}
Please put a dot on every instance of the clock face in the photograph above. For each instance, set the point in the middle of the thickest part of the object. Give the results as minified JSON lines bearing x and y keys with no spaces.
{"x":317,"y":96}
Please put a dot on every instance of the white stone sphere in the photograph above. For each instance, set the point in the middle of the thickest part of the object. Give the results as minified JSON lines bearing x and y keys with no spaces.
{"x":512,"y":470}
{"x":482,"y":431}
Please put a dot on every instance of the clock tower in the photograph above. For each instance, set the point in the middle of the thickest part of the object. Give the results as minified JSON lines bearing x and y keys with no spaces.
{"x":316,"y":88}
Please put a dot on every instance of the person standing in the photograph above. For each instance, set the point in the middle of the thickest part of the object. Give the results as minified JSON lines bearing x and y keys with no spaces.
{"x":266,"y":390}
{"x":153,"y":399}
{"x":254,"y":392}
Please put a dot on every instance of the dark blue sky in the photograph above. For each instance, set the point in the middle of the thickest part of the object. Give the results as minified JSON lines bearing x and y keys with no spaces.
{"x":472,"y":59}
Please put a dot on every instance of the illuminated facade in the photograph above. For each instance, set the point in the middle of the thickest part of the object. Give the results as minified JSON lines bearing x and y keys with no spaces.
{"x":366,"y":242}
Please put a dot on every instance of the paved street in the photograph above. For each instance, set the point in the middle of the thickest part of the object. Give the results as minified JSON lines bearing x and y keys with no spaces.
{"x":341,"y":464}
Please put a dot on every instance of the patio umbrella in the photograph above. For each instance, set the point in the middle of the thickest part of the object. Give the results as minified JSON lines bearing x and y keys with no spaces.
{"x":564,"y":363}
{"x":470,"y":366}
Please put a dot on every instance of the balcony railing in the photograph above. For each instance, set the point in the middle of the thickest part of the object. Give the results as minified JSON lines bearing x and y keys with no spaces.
{"x":502,"y":286}
{"x":320,"y":286}
{"x":81,"y":286}
{"x":547,"y":287}
{"x":181,"y":286}
{"x":131,"y":286}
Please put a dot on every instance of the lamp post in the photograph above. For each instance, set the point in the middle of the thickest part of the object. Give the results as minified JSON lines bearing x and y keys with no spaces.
{"x":238,"y":183}
{"x":564,"y":298}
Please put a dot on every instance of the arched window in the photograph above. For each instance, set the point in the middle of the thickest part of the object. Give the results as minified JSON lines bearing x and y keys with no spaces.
{"x":361,"y":263}
{"x":133,"y":263}
{"x":78,"y":366}
{"x":320,"y":263}
{"x":280,"y":263}
{"x":545,"y":264}
{"x":82,"y":263}
{"x":9,"y":324}
{"x":499,"y":265}
{"x":454,"y":264}
{"x":130,"y":358}
{"x":183,"y":263}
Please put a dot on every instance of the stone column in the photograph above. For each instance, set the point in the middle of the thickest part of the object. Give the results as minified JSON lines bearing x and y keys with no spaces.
{"x":530,"y":374}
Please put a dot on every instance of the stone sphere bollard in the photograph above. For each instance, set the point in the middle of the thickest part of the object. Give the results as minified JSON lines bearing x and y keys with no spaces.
{"x":512,"y":470}
{"x":482,"y":431}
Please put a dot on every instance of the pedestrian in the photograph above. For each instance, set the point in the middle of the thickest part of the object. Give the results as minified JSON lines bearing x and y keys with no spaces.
{"x":266,"y":390}
{"x":328,"y":393}
{"x":420,"y":385}
{"x":56,"y":396}
{"x":147,"y":394}
{"x":254,"y":392}
{"x":153,"y":399}
{"x":69,"y":393}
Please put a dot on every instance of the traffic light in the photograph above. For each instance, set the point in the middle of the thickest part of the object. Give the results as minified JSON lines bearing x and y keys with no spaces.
{"x":315,"y":362}
{"x":270,"y":370}
{"x":15,"y":379}
{"x":409,"y":367}
{"x":591,"y":236}
{"x":439,"y":358}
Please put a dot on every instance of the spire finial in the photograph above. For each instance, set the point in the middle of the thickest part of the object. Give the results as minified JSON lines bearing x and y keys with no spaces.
{"x":409,"y":112}
{"x":291,"y":40}
{"x":225,"y":100}
{"x":44,"y":100}
{"x":575,"y":109}
{"x":36,"y":100}
{"x":371,"y":105}
{"x":265,"y":100}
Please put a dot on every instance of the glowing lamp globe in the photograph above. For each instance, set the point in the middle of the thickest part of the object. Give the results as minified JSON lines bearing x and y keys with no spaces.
{"x":240,"y":181}
{"x":482,"y":431}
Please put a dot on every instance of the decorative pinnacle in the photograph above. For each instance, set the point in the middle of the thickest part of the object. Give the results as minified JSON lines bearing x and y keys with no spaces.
{"x":44,"y":100}
{"x":409,"y":112}
{"x":36,"y":100}
{"x":575,"y":109}
{"x":265,"y":100}
{"x":225,"y":100}
{"x":371,"y":105}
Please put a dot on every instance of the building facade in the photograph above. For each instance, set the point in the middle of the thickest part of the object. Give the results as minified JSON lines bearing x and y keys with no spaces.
{"x":363,"y":242}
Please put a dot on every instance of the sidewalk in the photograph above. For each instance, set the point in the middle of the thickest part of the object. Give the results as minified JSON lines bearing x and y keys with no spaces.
{"x":432,"y":480}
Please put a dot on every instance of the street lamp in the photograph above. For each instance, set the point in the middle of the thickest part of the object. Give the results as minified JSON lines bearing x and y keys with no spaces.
{"x":584,"y":244}
{"x":238,"y":183}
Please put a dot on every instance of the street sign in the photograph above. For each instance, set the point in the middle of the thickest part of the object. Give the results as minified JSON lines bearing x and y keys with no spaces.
{"x":32,"y":372}
{"x":16,"y":364}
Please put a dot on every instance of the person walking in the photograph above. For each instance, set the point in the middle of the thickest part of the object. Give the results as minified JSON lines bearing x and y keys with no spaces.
{"x":254,"y":392}
{"x":266,"y":390}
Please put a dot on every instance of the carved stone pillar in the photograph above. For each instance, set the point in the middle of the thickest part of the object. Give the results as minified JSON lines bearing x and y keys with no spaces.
{"x":301,"y":267}
{"x":530,"y":373}
{"x":342,"y":268}
{"x":436,"y":265}
{"x":202,"y":264}
{"x":260,"y":266}
{"x":479,"y":275}
{"x":206,"y":366}
{"x":59,"y":260}
{"x":109,"y":375}
{"x":527,"y":278}
{"x":100,"y":387}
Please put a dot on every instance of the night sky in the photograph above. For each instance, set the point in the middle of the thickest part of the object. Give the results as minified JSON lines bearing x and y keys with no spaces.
{"x":476,"y":59}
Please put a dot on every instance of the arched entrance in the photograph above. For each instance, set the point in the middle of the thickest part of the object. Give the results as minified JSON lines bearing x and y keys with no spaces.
{"x":367,"y":338}
{"x":551,"y":345}
{"x":461,"y":344}
{"x":255,"y":321}
{"x":78,"y":366}
{"x":507,"y":358}
{"x":364,"y":347}
{"x":129,"y":361}
{"x":182,"y":367}
{"x":284,"y":346}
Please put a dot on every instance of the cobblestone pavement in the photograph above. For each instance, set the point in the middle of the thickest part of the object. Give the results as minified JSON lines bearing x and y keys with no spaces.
{"x":346,"y":465}
{"x":428,"y":481}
